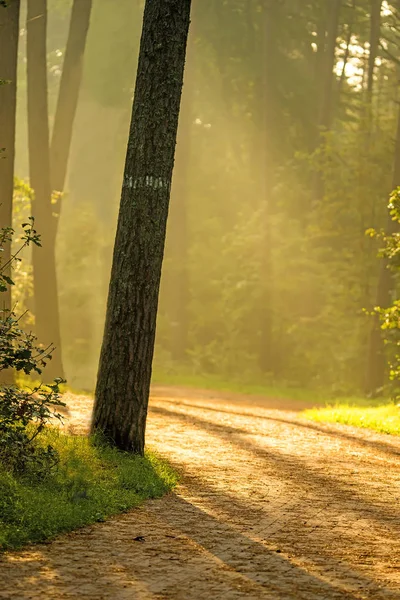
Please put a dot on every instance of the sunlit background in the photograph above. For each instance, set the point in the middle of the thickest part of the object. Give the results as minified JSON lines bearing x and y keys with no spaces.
{"x":266,"y":272}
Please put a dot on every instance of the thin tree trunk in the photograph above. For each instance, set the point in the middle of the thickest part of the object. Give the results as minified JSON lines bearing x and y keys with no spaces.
{"x":327,"y":88}
{"x":123,"y":383}
{"x":375,"y":30}
{"x":347,"y":50}
{"x":267,"y":352}
{"x":68,"y":98}
{"x":9,"y":34}
{"x":376,"y":365}
{"x":365,"y":63}
{"x":321,"y":47}
{"x":47,"y":322}
{"x":325,"y":113}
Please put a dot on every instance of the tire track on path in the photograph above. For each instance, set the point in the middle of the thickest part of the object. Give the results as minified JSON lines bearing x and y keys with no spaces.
{"x":269,"y":506}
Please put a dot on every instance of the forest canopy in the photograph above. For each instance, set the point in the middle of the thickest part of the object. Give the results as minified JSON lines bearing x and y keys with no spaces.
{"x":286,"y":156}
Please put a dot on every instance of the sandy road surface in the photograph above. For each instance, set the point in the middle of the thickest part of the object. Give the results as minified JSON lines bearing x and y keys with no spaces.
{"x":270,"y":506}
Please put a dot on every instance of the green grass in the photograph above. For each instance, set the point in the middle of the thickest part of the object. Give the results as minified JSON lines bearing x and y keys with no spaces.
{"x":251,"y":387}
{"x":91,"y":483}
{"x":358,"y":411}
{"x":385,"y":419}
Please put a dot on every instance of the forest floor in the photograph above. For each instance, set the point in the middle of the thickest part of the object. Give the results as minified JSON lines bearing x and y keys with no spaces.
{"x":269,"y":506}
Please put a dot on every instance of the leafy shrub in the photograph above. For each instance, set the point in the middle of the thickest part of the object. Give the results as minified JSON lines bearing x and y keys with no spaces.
{"x":23,"y":413}
{"x":390,"y":316}
{"x":10,"y":499}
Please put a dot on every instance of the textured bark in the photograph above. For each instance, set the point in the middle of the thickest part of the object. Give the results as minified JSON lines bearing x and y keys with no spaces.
{"x":9,"y":34}
{"x":376,"y":366}
{"x":122,"y":390}
{"x":68,"y":98}
{"x":47,"y":322}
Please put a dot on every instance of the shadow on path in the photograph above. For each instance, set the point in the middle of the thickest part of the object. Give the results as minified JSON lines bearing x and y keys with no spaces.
{"x":366,"y":443}
{"x":187,"y":553}
{"x":296,"y":470}
{"x":227,"y":535}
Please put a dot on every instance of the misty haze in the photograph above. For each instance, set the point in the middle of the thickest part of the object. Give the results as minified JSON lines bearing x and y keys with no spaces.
{"x":199,"y":299}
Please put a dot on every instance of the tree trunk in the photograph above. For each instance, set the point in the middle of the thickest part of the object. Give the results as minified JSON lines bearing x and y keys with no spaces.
{"x":375,"y":29}
{"x":325,"y":112}
{"x":123,"y":383}
{"x":376,"y":365}
{"x":267,"y":351}
{"x":9,"y":34}
{"x":68,"y":98}
{"x":327,"y":88}
{"x":47,"y":322}
{"x":346,"y":56}
{"x":321,"y":50}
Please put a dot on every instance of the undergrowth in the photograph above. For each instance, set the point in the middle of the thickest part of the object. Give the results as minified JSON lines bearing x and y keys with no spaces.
{"x":92,"y":481}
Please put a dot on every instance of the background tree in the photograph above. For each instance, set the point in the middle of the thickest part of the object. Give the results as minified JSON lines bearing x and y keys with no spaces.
{"x":375,"y":29}
{"x":67,"y":100}
{"x":9,"y":35}
{"x":48,"y":167}
{"x":47,"y":319}
{"x":122,"y":390}
{"x":385,"y":289}
{"x":251,"y":154}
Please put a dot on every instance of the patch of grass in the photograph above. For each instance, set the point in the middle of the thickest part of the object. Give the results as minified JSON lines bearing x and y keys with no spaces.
{"x":385,"y":419}
{"x":92,"y":482}
{"x":251,"y":387}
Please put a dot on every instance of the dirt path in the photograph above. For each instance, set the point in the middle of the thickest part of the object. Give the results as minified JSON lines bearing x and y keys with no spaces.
{"x":270,"y":506}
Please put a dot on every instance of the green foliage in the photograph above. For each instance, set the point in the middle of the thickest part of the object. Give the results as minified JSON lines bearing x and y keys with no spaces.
{"x":51,"y":482}
{"x":91,"y":482}
{"x":28,"y":237}
{"x":390,"y":316}
{"x":23,"y":413}
{"x":323,"y":269}
{"x":23,"y":416}
{"x":390,"y":325}
{"x":248,"y":155}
